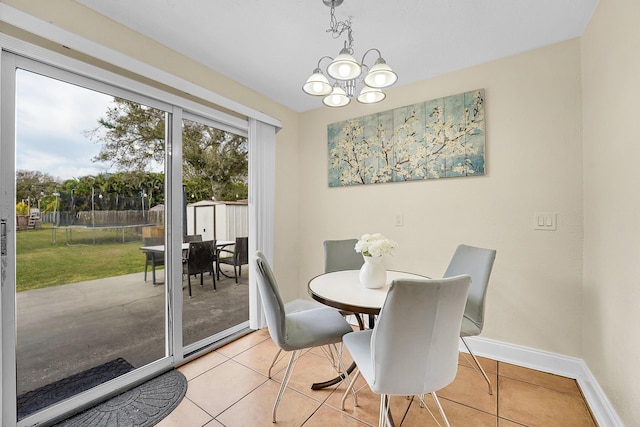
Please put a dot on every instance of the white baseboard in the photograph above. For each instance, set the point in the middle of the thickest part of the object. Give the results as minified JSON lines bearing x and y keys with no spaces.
{"x":566,"y":366}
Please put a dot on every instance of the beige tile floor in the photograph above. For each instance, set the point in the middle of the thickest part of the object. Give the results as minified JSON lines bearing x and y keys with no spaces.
{"x":229,"y":387}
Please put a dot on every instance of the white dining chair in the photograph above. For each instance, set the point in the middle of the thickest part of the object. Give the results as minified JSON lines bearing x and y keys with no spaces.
{"x":478,"y":263}
{"x":295,"y":331}
{"x":413,"y":349}
{"x":340,"y":255}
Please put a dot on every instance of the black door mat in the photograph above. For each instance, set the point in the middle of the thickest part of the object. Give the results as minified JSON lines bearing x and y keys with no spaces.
{"x":142,"y":406}
{"x":35,"y":400}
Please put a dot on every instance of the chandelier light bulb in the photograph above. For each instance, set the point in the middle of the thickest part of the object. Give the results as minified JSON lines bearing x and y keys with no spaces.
{"x":380,"y":75}
{"x":344,"y":70}
{"x":337,"y":98}
{"x":370,"y":95}
{"x":344,"y":67}
{"x":317,"y":84}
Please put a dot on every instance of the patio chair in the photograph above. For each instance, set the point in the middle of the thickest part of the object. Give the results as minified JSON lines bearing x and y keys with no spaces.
{"x":237,"y":257}
{"x":201,"y":258}
{"x":187,"y":238}
{"x":153,"y":259}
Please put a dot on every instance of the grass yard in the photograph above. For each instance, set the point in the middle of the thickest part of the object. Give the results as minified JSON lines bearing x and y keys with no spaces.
{"x":40,"y":264}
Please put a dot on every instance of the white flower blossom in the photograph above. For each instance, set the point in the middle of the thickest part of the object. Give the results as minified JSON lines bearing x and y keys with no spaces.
{"x":375,"y":245}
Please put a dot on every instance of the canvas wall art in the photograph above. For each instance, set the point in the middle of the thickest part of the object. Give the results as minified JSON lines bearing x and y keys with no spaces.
{"x":440,"y":138}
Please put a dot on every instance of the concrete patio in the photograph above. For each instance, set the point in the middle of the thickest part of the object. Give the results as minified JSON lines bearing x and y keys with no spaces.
{"x":63,"y":330}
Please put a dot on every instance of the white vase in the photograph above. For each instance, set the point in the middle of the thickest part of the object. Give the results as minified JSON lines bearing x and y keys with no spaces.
{"x":372,"y":273}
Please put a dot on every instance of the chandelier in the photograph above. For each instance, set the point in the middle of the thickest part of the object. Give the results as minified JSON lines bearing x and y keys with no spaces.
{"x":347,"y":72}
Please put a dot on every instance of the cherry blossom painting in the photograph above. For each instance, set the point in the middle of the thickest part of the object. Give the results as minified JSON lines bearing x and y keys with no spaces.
{"x":440,"y":138}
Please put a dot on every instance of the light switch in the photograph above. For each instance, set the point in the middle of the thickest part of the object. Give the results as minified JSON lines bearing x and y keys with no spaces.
{"x":544,"y":221}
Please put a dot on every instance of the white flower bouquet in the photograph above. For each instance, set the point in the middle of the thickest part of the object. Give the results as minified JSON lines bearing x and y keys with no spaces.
{"x":375,"y":245}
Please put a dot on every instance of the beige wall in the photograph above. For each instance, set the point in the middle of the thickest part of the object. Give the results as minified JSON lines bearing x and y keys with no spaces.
{"x":611,"y":92}
{"x":533,"y":163}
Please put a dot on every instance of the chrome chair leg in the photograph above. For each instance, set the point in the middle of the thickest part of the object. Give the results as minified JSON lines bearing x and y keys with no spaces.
{"x":273,"y":362}
{"x":484,"y":374}
{"x":346,"y":376}
{"x":385,"y":411}
{"x":350,"y":384}
{"x":444,"y":417}
{"x":285,"y":380}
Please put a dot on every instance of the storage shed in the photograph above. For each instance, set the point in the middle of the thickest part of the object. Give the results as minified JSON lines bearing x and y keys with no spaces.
{"x":218,"y":220}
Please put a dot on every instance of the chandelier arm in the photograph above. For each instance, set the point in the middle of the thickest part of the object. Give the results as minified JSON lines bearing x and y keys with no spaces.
{"x":365,"y":54}
{"x":324,"y":57}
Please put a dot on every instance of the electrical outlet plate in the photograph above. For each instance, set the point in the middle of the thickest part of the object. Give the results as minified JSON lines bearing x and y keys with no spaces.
{"x":545,"y":221}
{"x":399,"y":219}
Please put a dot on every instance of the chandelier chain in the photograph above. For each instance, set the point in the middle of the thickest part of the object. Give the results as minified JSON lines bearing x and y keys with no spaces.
{"x":336,"y":28}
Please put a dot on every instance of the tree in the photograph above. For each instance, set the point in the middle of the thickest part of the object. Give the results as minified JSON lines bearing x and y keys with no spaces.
{"x":34,"y":185}
{"x":215,"y":155}
{"x":132,"y":137}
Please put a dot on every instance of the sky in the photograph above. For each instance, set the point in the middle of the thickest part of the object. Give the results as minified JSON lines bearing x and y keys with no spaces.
{"x":51,"y":118}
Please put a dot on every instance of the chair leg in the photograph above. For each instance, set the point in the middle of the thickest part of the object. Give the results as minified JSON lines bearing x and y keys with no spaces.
{"x":273,"y":362}
{"x":189,"y":282}
{"x":350,"y":385}
{"x":285,"y":380}
{"x":344,"y":373}
{"x":384,"y":411}
{"x":444,"y":417}
{"x":484,"y":374}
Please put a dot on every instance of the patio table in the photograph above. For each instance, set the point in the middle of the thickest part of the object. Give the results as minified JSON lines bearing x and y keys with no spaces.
{"x":158,"y":250}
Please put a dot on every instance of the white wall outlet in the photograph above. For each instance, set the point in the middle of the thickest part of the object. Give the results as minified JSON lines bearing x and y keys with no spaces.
{"x":399,"y":219}
{"x":545,"y":221}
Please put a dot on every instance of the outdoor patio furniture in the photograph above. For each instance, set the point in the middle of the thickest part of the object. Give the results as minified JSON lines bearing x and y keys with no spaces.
{"x":237,"y":257}
{"x":201,"y":258}
{"x":153,"y":259}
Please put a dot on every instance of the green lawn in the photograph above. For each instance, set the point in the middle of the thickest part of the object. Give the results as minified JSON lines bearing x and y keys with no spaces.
{"x":39,"y":263}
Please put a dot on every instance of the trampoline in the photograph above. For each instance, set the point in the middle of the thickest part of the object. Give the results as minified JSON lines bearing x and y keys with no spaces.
{"x":119,"y":232}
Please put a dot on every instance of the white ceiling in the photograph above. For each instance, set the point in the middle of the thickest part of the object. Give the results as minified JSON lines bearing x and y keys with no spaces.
{"x":273,"y":46}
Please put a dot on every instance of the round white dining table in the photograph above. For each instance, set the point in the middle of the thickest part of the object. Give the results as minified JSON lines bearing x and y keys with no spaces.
{"x":343,"y":290}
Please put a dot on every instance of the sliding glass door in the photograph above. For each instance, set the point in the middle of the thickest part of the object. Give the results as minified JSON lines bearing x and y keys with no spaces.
{"x":97,"y":185}
{"x":215,"y":168}
{"x":89,"y":189}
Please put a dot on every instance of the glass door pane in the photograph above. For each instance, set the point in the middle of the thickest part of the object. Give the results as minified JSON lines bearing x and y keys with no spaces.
{"x":90,"y":194}
{"x":215,"y":171}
